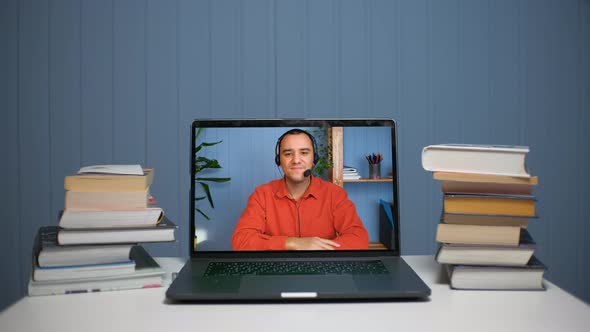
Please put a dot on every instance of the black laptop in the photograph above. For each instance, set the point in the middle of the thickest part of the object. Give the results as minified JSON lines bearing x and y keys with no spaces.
{"x":231,"y":158}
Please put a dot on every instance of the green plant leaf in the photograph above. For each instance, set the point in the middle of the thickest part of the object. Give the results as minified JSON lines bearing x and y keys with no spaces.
{"x":202,"y":163}
{"x":203,"y":214}
{"x":214,"y":179}
{"x":210,"y":143}
{"x":205,"y":144}
{"x":213,"y":164}
{"x":207,"y":192}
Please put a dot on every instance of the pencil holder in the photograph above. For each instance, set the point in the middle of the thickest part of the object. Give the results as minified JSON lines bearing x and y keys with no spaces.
{"x":374,"y":171}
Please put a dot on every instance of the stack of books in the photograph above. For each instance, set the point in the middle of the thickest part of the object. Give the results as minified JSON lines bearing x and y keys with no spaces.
{"x":487,"y":204}
{"x":350,"y":173}
{"x":94,"y":248}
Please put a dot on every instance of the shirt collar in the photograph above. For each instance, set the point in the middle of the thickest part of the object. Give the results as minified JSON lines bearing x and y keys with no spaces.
{"x":310,"y":192}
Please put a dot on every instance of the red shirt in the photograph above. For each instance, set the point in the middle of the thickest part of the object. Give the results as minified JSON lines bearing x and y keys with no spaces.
{"x":324,"y":211}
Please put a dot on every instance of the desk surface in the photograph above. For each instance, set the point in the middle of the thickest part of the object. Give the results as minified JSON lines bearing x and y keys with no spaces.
{"x":447,"y":310}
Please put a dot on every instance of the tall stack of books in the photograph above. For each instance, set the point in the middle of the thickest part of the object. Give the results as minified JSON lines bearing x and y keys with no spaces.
{"x":487,"y":204}
{"x":108,"y":210}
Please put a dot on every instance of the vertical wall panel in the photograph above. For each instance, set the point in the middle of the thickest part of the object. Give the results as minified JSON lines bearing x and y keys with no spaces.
{"x":290,"y":65}
{"x":34,"y":136}
{"x":163,"y":111}
{"x":97,"y":82}
{"x":11,"y":279}
{"x":194,"y":95}
{"x":225,"y":48}
{"x":474,"y":72}
{"x":383,"y":51}
{"x":416,"y":216}
{"x":64,"y":97}
{"x":563,"y":145}
{"x":129,"y":82}
{"x":321,"y":57}
{"x":583,"y":249}
{"x":505,"y":120}
{"x":444,"y":80}
{"x":257,"y":59}
{"x":354,"y":59}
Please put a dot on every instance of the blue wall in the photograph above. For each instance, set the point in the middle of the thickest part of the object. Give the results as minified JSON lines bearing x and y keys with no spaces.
{"x":93,"y":81}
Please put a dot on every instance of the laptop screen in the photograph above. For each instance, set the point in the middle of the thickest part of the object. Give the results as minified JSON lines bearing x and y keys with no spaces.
{"x":252,"y":190}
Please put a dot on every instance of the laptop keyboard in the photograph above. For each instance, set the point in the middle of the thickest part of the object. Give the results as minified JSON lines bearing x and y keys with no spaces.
{"x":295,"y":268}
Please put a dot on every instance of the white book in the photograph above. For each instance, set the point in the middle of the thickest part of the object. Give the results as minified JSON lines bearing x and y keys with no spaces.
{"x":528,"y":277}
{"x":350,"y":176}
{"x":82,"y":271}
{"x":92,"y":286}
{"x":481,"y":159}
{"x":163,"y":232}
{"x":112,"y":169}
{"x":147,"y":274}
{"x":77,"y":255}
{"x":349,"y":169}
{"x":110,"y":218}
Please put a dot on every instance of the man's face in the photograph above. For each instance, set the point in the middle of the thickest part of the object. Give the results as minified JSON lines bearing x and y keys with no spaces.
{"x":296,"y":153}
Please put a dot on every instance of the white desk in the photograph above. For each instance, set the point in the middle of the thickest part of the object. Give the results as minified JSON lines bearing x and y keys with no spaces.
{"x":448,"y":310}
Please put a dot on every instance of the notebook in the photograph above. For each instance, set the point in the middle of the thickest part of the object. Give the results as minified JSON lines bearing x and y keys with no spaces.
{"x":257,"y":195}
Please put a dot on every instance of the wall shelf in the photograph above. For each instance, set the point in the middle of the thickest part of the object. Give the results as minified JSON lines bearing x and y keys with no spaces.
{"x":369,"y":180}
{"x":335,"y":139}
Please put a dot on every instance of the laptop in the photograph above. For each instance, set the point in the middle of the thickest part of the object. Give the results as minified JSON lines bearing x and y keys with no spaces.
{"x":231,"y":158}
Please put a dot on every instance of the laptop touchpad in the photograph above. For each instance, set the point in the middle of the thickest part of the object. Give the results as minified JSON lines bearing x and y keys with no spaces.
{"x":277,"y":284}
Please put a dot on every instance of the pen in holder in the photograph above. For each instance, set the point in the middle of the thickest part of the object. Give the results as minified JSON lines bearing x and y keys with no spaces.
{"x":374,"y":165}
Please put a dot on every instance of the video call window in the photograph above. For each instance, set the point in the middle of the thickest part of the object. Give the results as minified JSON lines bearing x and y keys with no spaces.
{"x":229,"y":163}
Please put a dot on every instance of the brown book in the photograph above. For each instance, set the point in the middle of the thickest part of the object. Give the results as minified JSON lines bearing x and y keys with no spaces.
{"x":485,"y":184}
{"x":490,"y":204}
{"x":123,"y":200}
{"x":109,"y":182}
{"x":477,"y":254}
{"x":484,"y":235}
{"x":484,"y":220}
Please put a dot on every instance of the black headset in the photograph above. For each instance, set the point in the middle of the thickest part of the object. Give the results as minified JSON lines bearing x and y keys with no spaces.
{"x":296,"y":131}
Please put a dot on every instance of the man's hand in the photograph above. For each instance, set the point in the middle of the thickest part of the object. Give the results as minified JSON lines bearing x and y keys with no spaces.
{"x":310,"y":243}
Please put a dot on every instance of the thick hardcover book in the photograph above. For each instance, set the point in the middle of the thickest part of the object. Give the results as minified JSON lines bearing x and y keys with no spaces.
{"x":466,"y":183}
{"x":480,"y":159}
{"x":163,"y":232}
{"x":484,"y":219}
{"x":528,"y":277}
{"x":109,"y":182}
{"x":471,"y":254}
{"x":485,"y":178}
{"x":484,"y":235}
{"x":110,"y":218}
{"x":83,"y":271}
{"x":490,"y":204}
{"x":116,"y":200}
{"x":48,"y":253}
{"x":147,"y":274}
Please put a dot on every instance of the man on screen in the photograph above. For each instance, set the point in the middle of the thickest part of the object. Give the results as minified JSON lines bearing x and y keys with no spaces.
{"x":299,"y":211}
